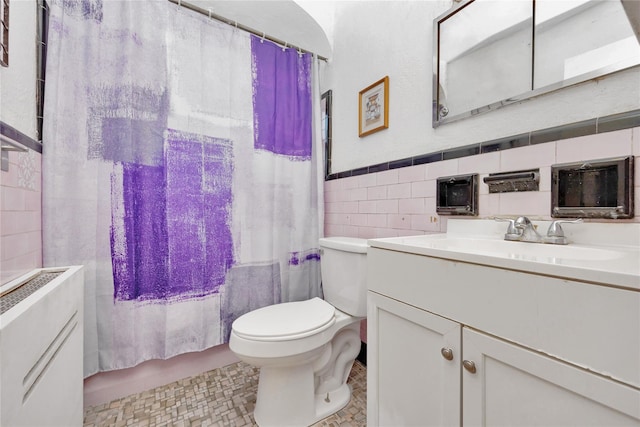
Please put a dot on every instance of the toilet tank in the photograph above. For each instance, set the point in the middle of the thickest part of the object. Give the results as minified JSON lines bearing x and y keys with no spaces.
{"x":344,"y":272}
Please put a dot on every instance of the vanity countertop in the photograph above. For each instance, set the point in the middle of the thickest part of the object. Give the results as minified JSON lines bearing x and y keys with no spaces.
{"x":601,"y":253}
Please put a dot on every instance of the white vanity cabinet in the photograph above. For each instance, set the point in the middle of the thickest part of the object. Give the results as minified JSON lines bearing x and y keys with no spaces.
{"x":526,"y":349}
{"x":416,"y":361}
{"x":515,"y":386}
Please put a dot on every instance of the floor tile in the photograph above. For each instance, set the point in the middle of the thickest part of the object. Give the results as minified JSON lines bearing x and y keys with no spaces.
{"x":221,"y":397}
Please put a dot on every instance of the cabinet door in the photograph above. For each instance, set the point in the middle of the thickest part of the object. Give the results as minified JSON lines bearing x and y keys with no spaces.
{"x":409,"y":381}
{"x":515,"y":386}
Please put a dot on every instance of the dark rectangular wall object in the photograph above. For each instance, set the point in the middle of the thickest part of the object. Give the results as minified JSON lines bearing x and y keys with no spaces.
{"x":505,"y":182}
{"x":593,"y":189}
{"x":457,"y":195}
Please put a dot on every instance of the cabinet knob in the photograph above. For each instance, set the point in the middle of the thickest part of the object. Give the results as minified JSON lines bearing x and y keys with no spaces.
{"x":447,"y":353}
{"x":469,"y":366}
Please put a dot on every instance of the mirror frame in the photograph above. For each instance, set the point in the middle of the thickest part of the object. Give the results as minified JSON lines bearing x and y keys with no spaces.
{"x":436,"y":122}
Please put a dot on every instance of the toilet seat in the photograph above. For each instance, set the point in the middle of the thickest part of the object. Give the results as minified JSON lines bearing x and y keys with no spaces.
{"x":286,"y":321}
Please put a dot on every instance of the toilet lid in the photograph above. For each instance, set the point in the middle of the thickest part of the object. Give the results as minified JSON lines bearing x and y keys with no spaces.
{"x":287,"y":321}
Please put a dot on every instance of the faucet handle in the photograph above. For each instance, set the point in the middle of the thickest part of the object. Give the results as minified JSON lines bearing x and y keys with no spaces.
{"x":555,"y":233}
{"x":555,"y":230}
{"x":522,"y":222}
{"x":513,"y":232}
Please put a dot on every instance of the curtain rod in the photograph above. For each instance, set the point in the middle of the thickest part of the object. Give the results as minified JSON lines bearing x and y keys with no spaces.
{"x":236,"y":24}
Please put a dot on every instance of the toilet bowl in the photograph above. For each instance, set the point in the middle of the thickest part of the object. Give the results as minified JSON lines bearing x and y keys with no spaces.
{"x":305,"y":349}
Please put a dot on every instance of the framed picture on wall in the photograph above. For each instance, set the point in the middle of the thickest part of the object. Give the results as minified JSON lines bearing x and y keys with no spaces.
{"x":374,"y":107}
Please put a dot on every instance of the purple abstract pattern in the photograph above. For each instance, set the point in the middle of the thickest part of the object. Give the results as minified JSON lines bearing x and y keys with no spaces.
{"x":123,"y":113}
{"x":281,"y":100}
{"x":139,"y":251}
{"x":176,"y":242}
{"x":298,"y":258}
{"x":86,"y":9}
{"x":199,"y":202}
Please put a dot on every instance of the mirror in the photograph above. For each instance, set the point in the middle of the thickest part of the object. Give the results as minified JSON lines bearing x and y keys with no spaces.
{"x":484,"y":55}
{"x":580,"y":39}
{"x":490,"y":53}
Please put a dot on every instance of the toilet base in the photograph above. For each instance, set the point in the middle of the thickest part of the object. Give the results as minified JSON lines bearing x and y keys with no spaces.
{"x":288,"y":406}
{"x":338,"y":399}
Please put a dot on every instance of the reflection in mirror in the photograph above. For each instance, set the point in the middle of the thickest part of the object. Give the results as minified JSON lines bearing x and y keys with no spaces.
{"x":579,"y":39}
{"x":488,"y":54}
{"x":485,"y":55}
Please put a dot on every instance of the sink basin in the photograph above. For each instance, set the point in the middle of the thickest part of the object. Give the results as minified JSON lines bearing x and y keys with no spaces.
{"x":612,"y":259}
{"x":516,"y":250}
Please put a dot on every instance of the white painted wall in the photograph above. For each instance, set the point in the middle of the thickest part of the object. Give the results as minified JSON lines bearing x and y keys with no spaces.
{"x":372,"y":39}
{"x":18,"y":81}
{"x":20,"y":186}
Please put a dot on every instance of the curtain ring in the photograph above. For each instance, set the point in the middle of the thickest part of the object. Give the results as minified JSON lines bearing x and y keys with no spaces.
{"x":285,"y":46}
{"x":263,"y":36}
{"x":209,"y":13}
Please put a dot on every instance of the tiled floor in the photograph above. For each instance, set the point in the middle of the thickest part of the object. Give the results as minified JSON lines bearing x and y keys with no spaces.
{"x":221,"y":397}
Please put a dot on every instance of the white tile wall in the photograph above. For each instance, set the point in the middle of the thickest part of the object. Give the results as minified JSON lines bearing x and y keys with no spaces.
{"x":402,"y":201}
{"x":20,"y":215}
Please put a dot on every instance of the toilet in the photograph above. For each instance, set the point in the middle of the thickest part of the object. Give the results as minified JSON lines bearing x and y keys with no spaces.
{"x":305,"y":349}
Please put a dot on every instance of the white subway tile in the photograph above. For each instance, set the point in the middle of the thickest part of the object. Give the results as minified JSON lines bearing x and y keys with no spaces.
{"x":529,"y":203}
{"x":481,"y":163}
{"x":366,"y":233}
{"x":399,"y":191}
{"x":358,"y":194}
{"x":529,"y":157}
{"x":386,"y":206}
{"x":377,"y":193}
{"x":387,"y":177}
{"x":399,"y":221}
{"x":13,"y":199}
{"x":347,"y":207}
{"x":381,"y":233}
{"x":367,"y":206}
{"x":593,"y":147}
{"x":367,"y":180}
{"x":423,"y":188}
{"x":412,"y":173}
{"x":9,"y":178}
{"x":377,"y":220}
{"x":358,"y":219}
{"x":332,"y":230}
{"x":425,"y":223}
{"x":350,"y":182}
{"x":444,"y":168}
{"x":336,"y":218}
{"x":351,"y":231}
{"x":430,"y":205}
{"x":545,"y":178}
{"x":412,"y":206}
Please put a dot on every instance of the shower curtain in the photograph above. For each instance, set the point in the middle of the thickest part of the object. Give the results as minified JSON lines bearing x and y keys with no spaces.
{"x":179,"y":169}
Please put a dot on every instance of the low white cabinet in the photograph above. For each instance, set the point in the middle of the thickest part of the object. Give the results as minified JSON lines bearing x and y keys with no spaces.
{"x":413,"y":384}
{"x":459,"y":344}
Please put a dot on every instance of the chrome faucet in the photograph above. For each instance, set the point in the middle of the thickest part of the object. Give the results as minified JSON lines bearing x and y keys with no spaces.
{"x":528,"y":232}
{"x":523,"y":230}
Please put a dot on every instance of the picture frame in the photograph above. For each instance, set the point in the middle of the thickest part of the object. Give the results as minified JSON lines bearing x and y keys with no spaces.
{"x":373,"y":108}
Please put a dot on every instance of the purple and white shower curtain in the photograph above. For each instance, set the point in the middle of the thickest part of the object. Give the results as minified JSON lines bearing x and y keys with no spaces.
{"x":179,"y":169}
